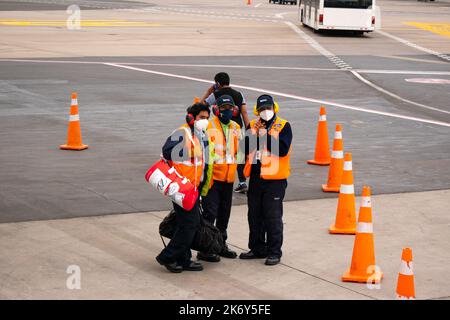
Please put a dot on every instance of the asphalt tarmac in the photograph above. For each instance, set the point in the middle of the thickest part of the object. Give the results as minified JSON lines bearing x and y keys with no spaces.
{"x":126,"y":114}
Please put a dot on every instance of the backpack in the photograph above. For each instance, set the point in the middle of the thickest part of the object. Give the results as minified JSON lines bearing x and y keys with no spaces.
{"x":208,"y":238}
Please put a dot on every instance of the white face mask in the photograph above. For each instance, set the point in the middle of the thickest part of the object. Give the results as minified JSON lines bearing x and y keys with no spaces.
{"x":201,"y":125}
{"x":266,"y":115}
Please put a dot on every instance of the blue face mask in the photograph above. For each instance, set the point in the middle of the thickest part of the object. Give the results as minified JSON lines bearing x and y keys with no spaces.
{"x":225,"y":116}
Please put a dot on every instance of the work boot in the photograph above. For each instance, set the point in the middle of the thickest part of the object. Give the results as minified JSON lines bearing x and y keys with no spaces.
{"x":193,"y":266}
{"x":272,"y":260}
{"x":241,"y":188}
{"x":227,"y":253}
{"x":251,"y":255}
{"x":172,"y":267}
{"x":210,"y":257}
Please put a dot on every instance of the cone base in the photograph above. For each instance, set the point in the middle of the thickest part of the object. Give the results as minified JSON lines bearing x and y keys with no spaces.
{"x":76,"y":148}
{"x":334,"y":230}
{"x":326,"y":188}
{"x":319,"y":163}
{"x":375,"y":278}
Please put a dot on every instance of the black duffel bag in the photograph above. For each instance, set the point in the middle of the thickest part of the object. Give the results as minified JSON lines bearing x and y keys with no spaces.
{"x":208,"y":238}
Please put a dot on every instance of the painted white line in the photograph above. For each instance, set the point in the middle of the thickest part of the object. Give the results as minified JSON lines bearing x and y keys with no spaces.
{"x":258,"y":5}
{"x":281,"y":14}
{"x":221,"y":16}
{"x":436,"y":73}
{"x":231,"y":66}
{"x":413,"y":59}
{"x":428,"y":81}
{"x":342,"y":65}
{"x":313,"y":43}
{"x":378,"y":88}
{"x":415,"y":46}
{"x":291,"y":96}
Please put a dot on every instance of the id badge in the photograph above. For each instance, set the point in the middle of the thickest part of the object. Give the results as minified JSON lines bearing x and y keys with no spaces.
{"x":258,"y":155}
{"x":229,"y":159}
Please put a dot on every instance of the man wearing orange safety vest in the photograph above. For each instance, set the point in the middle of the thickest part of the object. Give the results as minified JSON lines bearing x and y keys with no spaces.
{"x":188,"y":152}
{"x":268,"y":150}
{"x":224,"y":134}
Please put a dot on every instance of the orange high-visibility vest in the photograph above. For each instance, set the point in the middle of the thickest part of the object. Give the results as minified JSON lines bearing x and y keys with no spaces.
{"x":272,"y":166}
{"x":225,"y":160}
{"x":192,"y":168}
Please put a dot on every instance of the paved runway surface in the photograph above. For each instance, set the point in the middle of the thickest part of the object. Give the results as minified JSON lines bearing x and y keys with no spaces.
{"x":127,"y":113}
{"x":137,"y":65}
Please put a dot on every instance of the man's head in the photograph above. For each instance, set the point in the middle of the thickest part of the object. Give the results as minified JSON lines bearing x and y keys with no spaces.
{"x":222,"y":79}
{"x":224,"y":111}
{"x":199,"y":111}
{"x":265,"y":107}
{"x":225,"y":102}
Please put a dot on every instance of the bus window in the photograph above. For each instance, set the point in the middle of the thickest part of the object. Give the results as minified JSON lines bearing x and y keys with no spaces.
{"x":356,"y":4}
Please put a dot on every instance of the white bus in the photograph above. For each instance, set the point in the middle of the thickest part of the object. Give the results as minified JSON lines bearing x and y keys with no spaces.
{"x":355,"y":15}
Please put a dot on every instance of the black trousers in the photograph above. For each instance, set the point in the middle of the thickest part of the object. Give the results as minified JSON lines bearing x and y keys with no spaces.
{"x":265,"y":215}
{"x":217,"y":205}
{"x":179,"y":248}
{"x":240,"y":171}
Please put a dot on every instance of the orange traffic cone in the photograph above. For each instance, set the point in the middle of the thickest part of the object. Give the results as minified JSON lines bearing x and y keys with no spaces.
{"x":363,"y":258}
{"x":249,"y":2}
{"x":197,"y":100}
{"x":345,"y":215}
{"x":74,"y":141}
{"x":337,"y":161}
{"x":322,"y":154}
{"x":405,"y":283}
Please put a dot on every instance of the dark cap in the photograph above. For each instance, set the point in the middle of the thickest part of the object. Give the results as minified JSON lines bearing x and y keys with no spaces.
{"x":264,"y":101}
{"x":225,"y":100}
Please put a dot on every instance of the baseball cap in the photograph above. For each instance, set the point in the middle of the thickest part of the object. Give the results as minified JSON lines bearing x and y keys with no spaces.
{"x":264,"y":101}
{"x":225,"y":100}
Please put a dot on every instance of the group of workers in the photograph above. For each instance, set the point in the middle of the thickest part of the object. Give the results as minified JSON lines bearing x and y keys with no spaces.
{"x":209,"y":150}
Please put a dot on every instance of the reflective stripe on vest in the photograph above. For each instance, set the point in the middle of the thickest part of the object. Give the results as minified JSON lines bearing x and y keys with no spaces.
{"x":191,"y":169}
{"x":272,"y":166}
{"x":225,"y":164}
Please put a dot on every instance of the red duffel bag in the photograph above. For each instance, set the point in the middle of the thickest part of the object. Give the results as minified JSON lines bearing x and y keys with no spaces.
{"x":170,"y":183}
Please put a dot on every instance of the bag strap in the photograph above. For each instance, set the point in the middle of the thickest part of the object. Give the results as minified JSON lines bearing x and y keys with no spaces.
{"x":162,"y":239}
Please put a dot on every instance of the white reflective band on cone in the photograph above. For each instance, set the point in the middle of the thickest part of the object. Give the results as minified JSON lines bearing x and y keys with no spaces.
{"x":347,"y":189}
{"x":337,"y":154}
{"x":74,"y":102}
{"x":323,"y":118}
{"x":347,"y":166}
{"x":405,"y":269}
{"x":405,"y":298}
{"x":366,"y":202}
{"x":338,"y":135}
{"x":75,"y":117}
{"x":364,"y":227}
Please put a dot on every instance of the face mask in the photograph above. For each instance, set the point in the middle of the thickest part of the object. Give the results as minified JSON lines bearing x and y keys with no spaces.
{"x":225,"y":116}
{"x":201,"y":125}
{"x":266,"y":115}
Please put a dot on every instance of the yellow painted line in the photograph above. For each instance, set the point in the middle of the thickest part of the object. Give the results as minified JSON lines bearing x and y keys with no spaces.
{"x":83,"y":23}
{"x":442,"y":29}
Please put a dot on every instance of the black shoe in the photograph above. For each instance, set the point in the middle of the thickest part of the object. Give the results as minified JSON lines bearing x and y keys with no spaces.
{"x":172,"y":267}
{"x":251,"y":255}
{"x":241,"y":188}
{"x":208,"y":257}
{"x":271,"y":261}
{"x":193,"y":266}
{"x":227,"y":253}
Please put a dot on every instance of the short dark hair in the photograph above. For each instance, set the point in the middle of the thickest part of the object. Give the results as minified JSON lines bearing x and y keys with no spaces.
{"x":222,"y":78}
{"x":196,"y":108}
